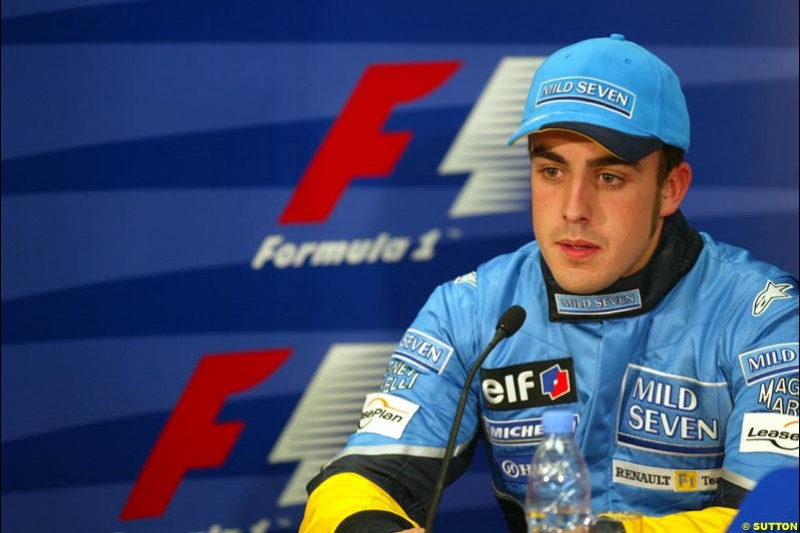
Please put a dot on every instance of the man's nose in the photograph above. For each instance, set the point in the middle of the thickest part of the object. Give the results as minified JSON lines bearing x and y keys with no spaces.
{"x":578,"y":200}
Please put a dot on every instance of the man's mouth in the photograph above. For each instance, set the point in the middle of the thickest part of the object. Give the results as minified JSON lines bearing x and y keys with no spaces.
{"x":578,"y":249}
{"x":578,"y":244}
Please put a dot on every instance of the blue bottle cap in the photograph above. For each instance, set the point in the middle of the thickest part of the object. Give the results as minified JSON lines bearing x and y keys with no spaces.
{"x":557,"y":421}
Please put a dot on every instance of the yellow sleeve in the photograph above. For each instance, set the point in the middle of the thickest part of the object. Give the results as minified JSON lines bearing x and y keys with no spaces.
{"x":708,"y":520}
{"x":342,"y":495}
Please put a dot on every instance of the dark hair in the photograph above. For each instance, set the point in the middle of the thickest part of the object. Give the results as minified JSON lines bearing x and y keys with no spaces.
{"x":671,"y":157}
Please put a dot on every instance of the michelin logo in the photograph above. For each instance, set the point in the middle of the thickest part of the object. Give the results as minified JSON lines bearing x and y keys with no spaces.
{"x":516,"y":432}
{"x":589,"y":91}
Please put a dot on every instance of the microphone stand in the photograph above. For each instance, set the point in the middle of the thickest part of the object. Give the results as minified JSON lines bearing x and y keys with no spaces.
{"x":509,"y":323}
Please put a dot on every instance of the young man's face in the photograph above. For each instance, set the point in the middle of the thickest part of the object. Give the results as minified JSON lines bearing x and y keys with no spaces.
{"x":596,"y":218}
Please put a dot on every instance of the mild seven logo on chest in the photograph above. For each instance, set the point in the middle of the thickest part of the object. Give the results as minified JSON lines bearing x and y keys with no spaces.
{"x":671,"y":414}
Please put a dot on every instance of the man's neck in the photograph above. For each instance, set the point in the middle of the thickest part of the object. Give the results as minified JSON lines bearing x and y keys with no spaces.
{"x":676,"y":247}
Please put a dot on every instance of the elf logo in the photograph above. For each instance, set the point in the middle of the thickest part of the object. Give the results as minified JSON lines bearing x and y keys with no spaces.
{"x":514,"y":387}
{"x":508,"y":390}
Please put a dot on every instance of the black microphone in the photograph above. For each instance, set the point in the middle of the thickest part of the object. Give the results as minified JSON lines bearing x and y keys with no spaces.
{"x":509,"y":323}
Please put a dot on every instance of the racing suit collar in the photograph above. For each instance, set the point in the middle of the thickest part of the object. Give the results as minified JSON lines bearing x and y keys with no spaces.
{"x":675,"y":255}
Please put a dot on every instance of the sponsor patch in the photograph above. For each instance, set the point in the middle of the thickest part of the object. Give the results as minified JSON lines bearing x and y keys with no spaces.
{"x":385,"y":414}
{"x":422,"y":350}
{"x":538,"y":384}
{"x":780,"y":395}
{"x":598,"y":304}
{"x":515,"y":468}
{"x":768,"y":362}
{"x":589,"y":91}
{"x":670,"y":414}
{"x":770,"y":293}
{"x":399,"y":376}
{"x":470,"y":279}
{"x":769,"y":432}
{"x":515,"y":432}
{"x":653,"y":478}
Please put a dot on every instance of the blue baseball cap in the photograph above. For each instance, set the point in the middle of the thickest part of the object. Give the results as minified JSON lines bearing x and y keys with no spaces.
{"x":614,"y":92}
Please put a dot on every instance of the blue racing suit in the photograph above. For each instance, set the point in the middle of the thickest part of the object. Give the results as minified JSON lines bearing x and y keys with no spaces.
{"x":683,"y":381}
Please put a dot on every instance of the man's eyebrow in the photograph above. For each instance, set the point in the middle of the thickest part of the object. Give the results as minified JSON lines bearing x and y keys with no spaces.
{"x":543,"y":151}
{"x":611,"y":160}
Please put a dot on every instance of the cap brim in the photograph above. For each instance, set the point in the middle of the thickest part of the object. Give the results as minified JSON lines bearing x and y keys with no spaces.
{"x":623,"y":145}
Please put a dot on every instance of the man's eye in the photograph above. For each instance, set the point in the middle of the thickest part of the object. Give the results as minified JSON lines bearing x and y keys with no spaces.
{"x":610,"y":179}
{"x":551,"y":172}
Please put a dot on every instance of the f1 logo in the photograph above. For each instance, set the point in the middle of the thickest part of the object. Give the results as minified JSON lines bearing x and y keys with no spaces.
{"x":356,"y":146}
{"x":685,"y":480}
{"x":191,"y":438}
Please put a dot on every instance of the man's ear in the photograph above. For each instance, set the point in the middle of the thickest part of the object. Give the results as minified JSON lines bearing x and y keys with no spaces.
{"x":674,"y":189}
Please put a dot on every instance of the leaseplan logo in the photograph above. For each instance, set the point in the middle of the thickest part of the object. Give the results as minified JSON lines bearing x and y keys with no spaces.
{"x":385,"y":414}
{"x":770,"y":432}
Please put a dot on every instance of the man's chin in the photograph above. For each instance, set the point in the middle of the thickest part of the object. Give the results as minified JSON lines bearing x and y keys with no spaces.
{"x":575,"y":285}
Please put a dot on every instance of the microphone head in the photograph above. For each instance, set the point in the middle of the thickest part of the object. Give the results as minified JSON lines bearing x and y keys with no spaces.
{"x":511,"y":320}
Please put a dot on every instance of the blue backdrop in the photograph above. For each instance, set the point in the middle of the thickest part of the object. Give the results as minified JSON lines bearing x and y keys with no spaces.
{"x":218,"y":217}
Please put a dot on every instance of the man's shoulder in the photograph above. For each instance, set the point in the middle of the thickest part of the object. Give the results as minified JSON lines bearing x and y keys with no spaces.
{"x":732,"y":272}
{"x":736,"y":264}
{"x":509,"y":267}
{"x":497,"y":277}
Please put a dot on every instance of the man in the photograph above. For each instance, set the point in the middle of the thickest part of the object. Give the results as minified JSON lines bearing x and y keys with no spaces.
{"x":658,"y":338}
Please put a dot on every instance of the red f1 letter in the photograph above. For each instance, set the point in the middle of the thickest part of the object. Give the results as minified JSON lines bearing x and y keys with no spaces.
{"x":355,"y":145}
{"x":191,"y":439}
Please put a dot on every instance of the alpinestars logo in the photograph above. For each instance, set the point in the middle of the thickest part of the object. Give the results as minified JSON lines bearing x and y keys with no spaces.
{"x":770,"y":293}
{"x":555,"y":382}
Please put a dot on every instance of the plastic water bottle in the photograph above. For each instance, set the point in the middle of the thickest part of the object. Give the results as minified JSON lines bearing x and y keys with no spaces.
{"x":559,"y":493}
